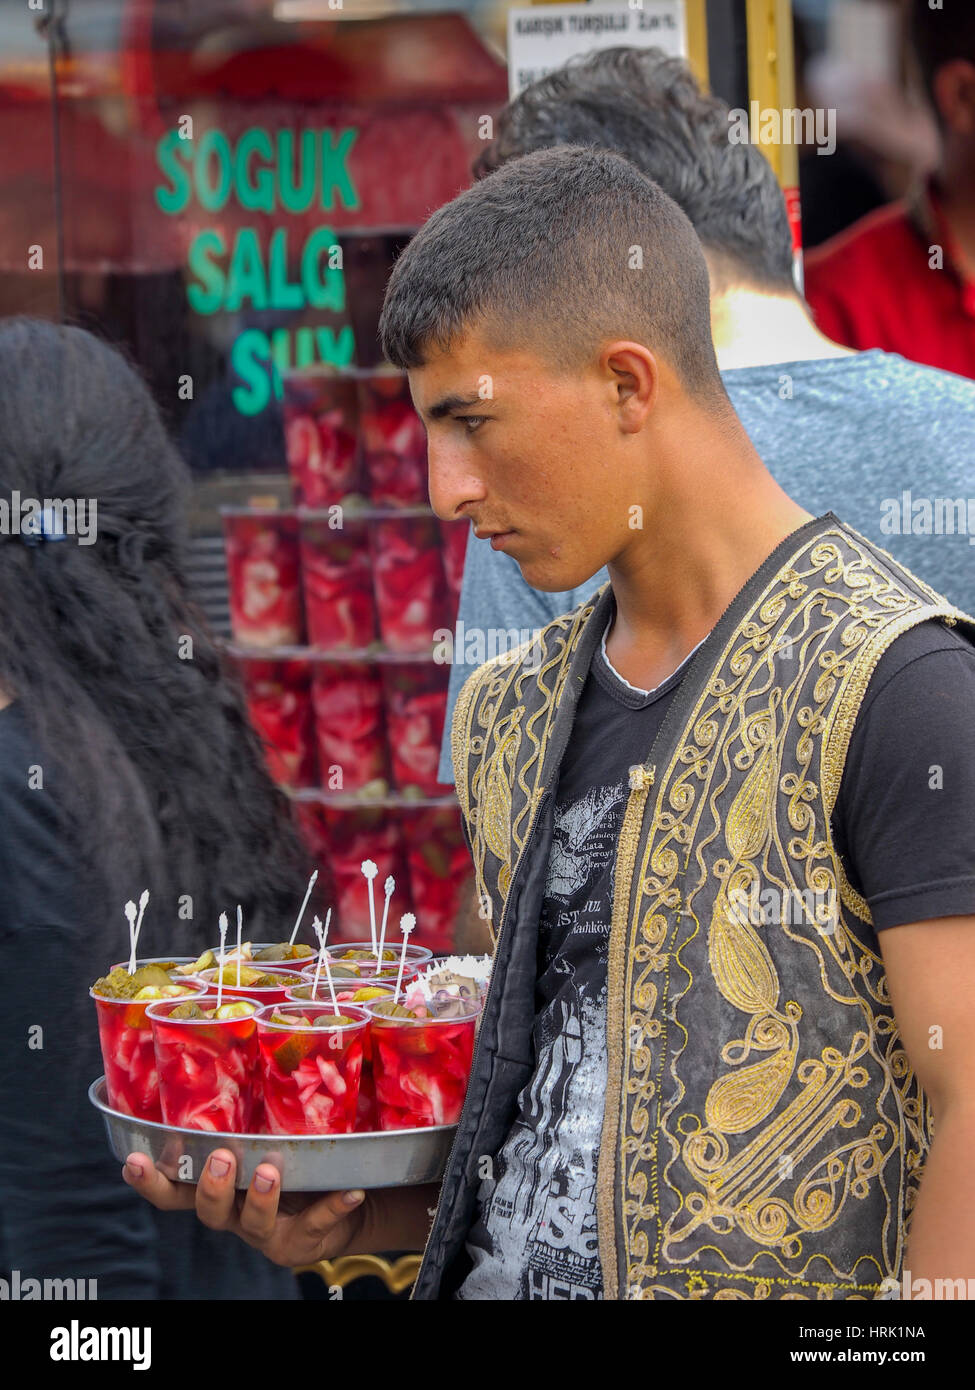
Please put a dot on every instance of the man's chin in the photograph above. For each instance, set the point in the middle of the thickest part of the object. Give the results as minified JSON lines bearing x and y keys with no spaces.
{"x":551,"y":577}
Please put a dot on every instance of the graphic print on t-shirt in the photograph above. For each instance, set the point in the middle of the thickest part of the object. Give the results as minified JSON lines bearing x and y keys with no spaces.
{"x":536,"y":1238}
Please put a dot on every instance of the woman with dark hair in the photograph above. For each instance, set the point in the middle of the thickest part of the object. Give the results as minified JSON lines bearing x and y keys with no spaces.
{"x":126,"y":762}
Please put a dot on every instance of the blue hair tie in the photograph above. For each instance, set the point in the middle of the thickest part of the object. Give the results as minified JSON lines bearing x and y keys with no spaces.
{"x":51,"y":529}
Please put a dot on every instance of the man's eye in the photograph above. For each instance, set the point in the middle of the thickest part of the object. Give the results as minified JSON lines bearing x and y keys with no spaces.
{"x":473,"y":422}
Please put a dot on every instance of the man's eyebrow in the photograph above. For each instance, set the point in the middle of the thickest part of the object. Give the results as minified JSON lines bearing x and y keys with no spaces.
{"x":447,"y":404}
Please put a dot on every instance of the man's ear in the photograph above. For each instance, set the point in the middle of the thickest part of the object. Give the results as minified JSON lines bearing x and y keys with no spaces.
{"x":954,"y":96}
{"x":634,"y":374}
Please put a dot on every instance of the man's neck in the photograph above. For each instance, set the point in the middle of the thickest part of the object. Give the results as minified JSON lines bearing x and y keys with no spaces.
{"x":701,"y":548}
{"x":954,"y":188}
{"x":751,"y":329}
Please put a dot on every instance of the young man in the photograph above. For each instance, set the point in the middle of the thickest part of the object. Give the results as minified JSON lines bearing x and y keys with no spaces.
{"x":866,"y":427}
{"x":703,"y":822}
{"x":903,"y":277}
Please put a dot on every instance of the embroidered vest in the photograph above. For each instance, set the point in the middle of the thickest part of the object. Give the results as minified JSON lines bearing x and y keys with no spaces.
{"x":763,"y":1133}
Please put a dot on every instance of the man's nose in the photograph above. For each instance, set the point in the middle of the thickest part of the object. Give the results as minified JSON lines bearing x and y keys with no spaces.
{"x":451,"y":479}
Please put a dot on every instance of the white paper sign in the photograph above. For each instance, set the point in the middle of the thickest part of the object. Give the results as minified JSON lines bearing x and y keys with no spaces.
{"x":542,"y":37}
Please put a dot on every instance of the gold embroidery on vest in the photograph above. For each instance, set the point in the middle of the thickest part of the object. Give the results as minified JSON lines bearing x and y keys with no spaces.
{"x":794,"y":1128}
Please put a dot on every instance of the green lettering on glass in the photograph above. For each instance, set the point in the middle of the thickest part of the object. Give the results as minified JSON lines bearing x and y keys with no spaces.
{"x":335,"y":176}
{"x":296,"y":196}
{"x":172,"y":154}
{"x":246,"y":280}
{"x":305,"y":355}
{"x":284,"y":295}
{"x":213,"y":196}
{"x":339,"y":351}
{"x":207,"y":297}
{"x":327,"y":292}
{"x":249,"y":359}
{"x":256,"y":195}
{"x":281,"y":349}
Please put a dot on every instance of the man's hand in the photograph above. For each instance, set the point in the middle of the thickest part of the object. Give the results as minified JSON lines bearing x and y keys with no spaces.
{"x":286,"y":1229}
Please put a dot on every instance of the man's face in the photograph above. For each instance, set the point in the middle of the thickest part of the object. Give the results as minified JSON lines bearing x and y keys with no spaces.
{"x":516,"y":446}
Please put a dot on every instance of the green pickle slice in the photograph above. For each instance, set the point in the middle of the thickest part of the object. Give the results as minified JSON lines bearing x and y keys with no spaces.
{"x":292,"y":1052}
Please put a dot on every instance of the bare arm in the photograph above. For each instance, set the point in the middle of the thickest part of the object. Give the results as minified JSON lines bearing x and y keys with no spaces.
{"x":931,"y":976}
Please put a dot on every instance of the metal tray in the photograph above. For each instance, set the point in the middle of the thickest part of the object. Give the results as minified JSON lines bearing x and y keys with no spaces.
{"x":306,"y":1162}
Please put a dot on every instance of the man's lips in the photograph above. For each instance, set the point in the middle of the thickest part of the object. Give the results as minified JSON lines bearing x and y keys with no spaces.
{"x":498,"y":539}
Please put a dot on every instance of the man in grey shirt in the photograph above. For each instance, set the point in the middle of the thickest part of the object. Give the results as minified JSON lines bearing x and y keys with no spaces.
{"x":888,"y":443}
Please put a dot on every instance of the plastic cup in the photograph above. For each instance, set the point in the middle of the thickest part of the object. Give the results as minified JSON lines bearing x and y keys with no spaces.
{"x":347,"y":700}
{"x":412,"y":599}
{"x":310,"y":1076}
{"x":156,"y":960}
{"x":339,"y":838}
{"x":439,"y":863}
{"x":415,"y":693}
{"x":345,"y":990}
{"x":337,"y":578}
{"x":394,"y":442}
{"x":421,"y":1065}
{"x":321,"y":437}
{"x":360,"y":971}
{"x":360,"y":957}
{"x":125,"y":1034}
{"x":454,"y":535}
{"x":279,"y":706}
{"x":209,"y":1077}
{"x":345,"y":993}
{"x":261,"y":994}
{"x":264,"y":579}
{"x":272,"y":967}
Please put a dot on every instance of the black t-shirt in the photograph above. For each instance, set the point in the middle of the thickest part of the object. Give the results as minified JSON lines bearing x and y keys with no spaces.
{"x":64,"y":1210}
{"x":904,"y":825}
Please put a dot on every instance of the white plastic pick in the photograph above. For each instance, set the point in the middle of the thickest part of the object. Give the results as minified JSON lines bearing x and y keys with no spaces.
{"x":301,"y":913}
{"x":316,"y":927}
{"x":143,"y":904}
{"x":240,"y":927}
{"x":224,"y":924}
{"x":388,"y":886}
{"x":130,"y":911}
{"x":406,"y":924}
{"x":370,"y":868}
{"x":321,"y":933}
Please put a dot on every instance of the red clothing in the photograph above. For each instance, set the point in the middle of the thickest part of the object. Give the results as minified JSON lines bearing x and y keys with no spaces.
{"x":872,"y":287}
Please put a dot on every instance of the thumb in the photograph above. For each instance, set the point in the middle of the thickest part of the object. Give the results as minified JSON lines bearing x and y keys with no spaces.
{"x":320,"y":1217}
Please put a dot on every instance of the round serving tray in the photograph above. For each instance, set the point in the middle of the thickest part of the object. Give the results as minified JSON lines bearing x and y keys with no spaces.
{"x":306,"y":1162}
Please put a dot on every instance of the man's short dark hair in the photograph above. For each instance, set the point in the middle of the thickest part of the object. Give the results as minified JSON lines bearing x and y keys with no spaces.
{"x":938,"y":36}
{"x":557,"y":253}
{"x":649,"y":108}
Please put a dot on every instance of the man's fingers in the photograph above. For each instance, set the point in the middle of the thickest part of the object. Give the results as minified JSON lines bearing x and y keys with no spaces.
{"x":260,"y":1210}
{"x":318,"y":1219}
{"x":215,"y":1192}
{"x":142,"y":1174}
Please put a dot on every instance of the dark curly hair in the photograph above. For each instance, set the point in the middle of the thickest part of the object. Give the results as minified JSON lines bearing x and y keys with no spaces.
{"x":159,"y":779}
{"x":648,"y":107}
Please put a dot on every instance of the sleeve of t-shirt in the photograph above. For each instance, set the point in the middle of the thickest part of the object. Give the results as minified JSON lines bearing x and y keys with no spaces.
{"x":905,"y":814}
